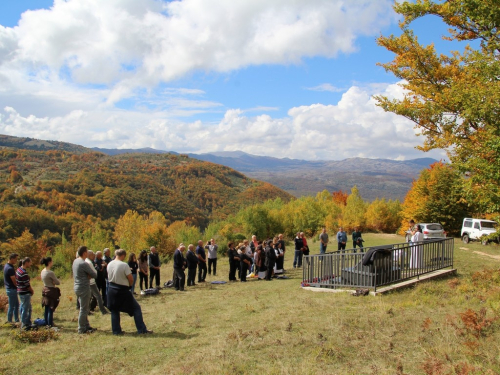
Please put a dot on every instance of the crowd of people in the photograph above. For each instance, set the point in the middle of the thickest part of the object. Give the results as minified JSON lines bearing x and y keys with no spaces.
{"x":109,"y":283}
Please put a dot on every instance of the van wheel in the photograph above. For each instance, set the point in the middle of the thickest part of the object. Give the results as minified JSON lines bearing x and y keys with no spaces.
{"x":465,"y":238}
{"x":485,"y":241}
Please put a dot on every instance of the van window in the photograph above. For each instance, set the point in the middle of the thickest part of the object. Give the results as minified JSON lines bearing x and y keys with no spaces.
{"x":434,"y":227}
{"x":476,"y":225}
{"x":467,"y":224}
{"x":488,"y":224}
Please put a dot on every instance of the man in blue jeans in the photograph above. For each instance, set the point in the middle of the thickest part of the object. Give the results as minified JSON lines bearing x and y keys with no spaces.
{"x":120,"y":298}
{"x":9,"y":279}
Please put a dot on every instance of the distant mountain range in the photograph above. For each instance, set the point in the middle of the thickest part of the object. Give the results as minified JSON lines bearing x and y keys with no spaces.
{"x":375,"y":178}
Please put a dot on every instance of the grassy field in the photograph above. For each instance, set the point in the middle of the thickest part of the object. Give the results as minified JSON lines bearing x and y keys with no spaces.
{"x":446,"y":326}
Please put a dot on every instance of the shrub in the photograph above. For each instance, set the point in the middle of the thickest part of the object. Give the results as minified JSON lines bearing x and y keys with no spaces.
{"x":35,"y":337}
{"x":4,"y":301}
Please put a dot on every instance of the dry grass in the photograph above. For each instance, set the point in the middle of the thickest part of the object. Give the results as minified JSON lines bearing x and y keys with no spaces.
{"x":447,"y":326}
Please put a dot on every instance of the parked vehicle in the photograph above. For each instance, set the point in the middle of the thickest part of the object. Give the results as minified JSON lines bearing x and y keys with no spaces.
{"x":429,"y":230}
{"x":478,"y":229}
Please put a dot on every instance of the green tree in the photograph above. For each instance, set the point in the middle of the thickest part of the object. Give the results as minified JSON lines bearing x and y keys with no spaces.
{"x":436,"y":196}
{"x":128,"y":231}
{"x":453,"y":99}
{"x":353,"y":214}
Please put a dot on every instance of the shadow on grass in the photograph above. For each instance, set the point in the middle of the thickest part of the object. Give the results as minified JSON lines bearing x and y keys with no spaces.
{"x":156,"y":334}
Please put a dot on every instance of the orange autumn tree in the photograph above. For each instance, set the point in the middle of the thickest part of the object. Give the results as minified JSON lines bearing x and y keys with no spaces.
{"x":26,"y":246}
{"x":383,"y":216}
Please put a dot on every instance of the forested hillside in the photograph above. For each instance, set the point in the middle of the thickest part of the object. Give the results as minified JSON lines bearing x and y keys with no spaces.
{"x":57,"y":192}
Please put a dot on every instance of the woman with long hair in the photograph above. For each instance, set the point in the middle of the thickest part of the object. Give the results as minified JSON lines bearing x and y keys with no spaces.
{"x":132,"y":263}
{"x":50,"y":293}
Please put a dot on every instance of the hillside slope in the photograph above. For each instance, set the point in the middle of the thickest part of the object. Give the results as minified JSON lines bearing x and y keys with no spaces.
{"x":57,"y":189}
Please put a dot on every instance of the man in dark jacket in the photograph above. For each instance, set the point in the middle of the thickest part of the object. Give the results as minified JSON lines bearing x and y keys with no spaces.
{"x":270,"y":260}
{"x":192,"y":263}
{"x":179,"y":267}
{"x":154,"y":267}
{"x":245,"y":262}
{"x":202,"y":262}
{"x":106,"y":260}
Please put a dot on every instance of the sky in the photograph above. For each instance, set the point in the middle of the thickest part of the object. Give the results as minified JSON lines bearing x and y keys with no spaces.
{"x":281,"y":78}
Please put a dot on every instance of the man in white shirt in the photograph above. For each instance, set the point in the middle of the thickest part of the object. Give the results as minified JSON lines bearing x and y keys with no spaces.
{"x":120,"y":298}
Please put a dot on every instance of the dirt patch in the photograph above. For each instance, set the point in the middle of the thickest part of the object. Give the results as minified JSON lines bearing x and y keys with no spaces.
{"x":487,"y":255}
{"x":464,"y":248}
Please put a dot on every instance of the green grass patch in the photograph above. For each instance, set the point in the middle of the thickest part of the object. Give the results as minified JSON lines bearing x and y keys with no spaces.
{"x":445,"y":326}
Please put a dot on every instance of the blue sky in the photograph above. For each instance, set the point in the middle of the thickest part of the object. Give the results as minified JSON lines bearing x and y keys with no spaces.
{"x":276,"y":77}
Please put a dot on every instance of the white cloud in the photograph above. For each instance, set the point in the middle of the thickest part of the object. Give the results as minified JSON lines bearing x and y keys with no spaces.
{"x":325,"y":87}
{"x":355,"y":127}
{"x":126,"y":44}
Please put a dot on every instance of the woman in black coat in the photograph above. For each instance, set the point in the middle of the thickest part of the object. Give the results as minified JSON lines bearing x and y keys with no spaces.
{"x":234,"y":261}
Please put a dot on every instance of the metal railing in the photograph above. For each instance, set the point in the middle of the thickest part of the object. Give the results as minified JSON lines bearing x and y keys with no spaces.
{"x":385,"y":265}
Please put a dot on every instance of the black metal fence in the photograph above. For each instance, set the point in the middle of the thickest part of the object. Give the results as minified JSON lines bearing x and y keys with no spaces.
{"x":372,"y":267}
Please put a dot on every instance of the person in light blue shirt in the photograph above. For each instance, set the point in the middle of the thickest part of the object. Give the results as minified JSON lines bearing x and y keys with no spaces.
{"x":341,"y":239}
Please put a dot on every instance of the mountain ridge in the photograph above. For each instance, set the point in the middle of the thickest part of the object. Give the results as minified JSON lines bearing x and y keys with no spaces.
{"x":375,"y":178}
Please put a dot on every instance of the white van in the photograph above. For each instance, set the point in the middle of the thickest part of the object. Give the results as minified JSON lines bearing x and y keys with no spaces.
{"x":477,"y":229}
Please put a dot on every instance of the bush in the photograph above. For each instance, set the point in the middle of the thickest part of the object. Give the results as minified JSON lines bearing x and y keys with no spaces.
{"x":4,"y":301}
{"x":35,"y":337}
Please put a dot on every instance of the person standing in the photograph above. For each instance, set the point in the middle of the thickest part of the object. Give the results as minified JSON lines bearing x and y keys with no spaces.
{"x":119,"y":297}
{"x":82,"y":273}
{"x":283,"y":246}
{"x":270,"y":260}
{"x":323,"y":238}
{"x":50,"y":293}
{"x":25,"y":292}
{"x":341,"y":239}
{"x":245,"y":262}
{"x":254,"y":243}
{"x":212,"y":256}
{"x":234,"y":261}
{"x":10,"y":282}
{"x":100,"y":280}
{"x":299,"y":246}
{"x":154,"y":267}
{"x":132,"y":263}
{"x":416,"y":248}
{"x":106,"y":260}
{"x":278,"y":266}
{"x":356,"y":236}
{"x":179,"y":267}
{"x":202,"y":262}
{"x":94,"y":291}
{"x":143,"y":269}
{"x":192,"y":263}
